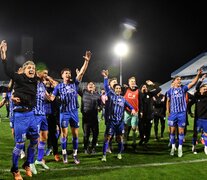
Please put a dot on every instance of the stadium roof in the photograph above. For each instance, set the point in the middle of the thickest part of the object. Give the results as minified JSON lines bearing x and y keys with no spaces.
{"x":192,"y":66}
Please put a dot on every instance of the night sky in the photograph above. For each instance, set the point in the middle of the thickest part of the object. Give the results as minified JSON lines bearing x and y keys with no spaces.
{"x":168,"y":35}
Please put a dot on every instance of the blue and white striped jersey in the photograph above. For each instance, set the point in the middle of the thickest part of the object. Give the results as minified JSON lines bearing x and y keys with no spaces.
{"x":177,"y":99}
{"x":40,"y":99}
{"x":117,"y":104}
{"x":68,"y":95}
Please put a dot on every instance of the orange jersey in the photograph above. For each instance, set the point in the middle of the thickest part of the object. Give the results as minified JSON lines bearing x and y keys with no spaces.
{"x":133,"y":98}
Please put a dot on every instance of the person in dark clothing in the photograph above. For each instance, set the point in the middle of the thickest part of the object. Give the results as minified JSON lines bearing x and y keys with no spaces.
{"x":90,"y":104}
{"x":159,"y":113}
{"x":200,"y":121}
{"x":146,"y":110}
{"x":25,"y":125}
{"x":52,"y":114}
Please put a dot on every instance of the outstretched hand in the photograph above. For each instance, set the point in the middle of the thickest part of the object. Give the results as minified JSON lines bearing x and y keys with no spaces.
{"x":87,"y":56}
{"x":3,"y":49}
{"x":3,"y":46}
{"x":133,"y":112}
{"x":203,"y":77}
{"x":105,"y":73}
{"x":200,"y":71}
{"x":77,"y":71}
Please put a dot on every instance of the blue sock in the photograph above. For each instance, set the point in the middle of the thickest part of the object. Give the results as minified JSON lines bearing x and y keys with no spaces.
{"x":181,"y":137}
{"x":41,"y":150}
{"x":172,"y":138}
{"x":75,"y":143}
{"x":15,"y":155}
{"x":120,"y":147}
{"x":31,"y":151}
{"x":63,"y":143}
{"x":105,"y":146}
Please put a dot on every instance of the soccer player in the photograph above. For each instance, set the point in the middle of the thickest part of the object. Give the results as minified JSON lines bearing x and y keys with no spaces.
{"x":41,"y":119}
{"x":115,"y":116}
{"x":112,"y":82}
{"x":25,"y":126}
{"x":69,"y":107}
{"x":176,"y":110}
{"x":131,"y":94}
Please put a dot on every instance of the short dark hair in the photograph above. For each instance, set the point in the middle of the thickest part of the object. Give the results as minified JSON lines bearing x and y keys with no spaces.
{"x":175,"y":78}
{"x":90,"y":82}
{"x":116,"y":85}
{"x":63,"y":70}
{"x":132,"y":78}
{"x":111,"y":79}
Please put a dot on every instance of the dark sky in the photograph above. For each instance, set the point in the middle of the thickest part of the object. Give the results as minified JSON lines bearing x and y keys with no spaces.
{"x":168,"y":34}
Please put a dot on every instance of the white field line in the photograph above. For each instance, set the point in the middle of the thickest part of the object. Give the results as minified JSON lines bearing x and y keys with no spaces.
{"x":119,"y":167}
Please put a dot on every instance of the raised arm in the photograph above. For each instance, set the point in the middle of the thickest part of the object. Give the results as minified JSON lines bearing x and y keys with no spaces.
{"x":154,"y":89}
{"x":3,"y":49}
{"x":82,"y":71}
{"x":200,"y":82}
{"x":2,"y":102}
{"x":105,"y":74}
{"x":194,"y":81}
{"x":53,"y":82}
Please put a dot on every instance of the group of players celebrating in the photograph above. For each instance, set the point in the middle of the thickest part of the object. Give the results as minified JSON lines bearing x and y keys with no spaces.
{"x":124,"y":107}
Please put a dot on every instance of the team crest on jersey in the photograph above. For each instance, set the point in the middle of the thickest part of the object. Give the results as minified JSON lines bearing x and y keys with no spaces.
{"x":120,"y":102}
{"x":69,"y":89}
{"x":175,"y":92}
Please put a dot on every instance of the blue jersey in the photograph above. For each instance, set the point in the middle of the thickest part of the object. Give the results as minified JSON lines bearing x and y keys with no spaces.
{"x":68,"y":96}
{"x":177,"y":99}
{"x":40,"y":99}
{"x":117,"y":104}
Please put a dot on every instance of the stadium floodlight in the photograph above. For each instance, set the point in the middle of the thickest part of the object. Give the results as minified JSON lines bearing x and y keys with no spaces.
{"x":121,"y":50}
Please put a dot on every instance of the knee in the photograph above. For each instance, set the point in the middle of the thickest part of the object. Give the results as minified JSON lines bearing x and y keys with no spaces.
{"x":33,"y":143}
